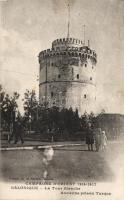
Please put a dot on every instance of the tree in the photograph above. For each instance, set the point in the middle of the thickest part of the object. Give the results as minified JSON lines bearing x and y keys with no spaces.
{"x":92,"y":120}
{"x":102,"y":111}
{"x":2,"y":93}
{"x":84,"y":121}
{"x":1,"y":99}
{"x":30,"y":107}
{"x":9,"y":107}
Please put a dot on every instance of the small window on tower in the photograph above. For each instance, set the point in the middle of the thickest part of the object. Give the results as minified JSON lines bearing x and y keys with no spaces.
{"x":77,"y":76}
{"x":85,"y":96}
{"x":90,"y":78}
{"x":59,"y":76}
{"x":85,"y":65}
{"x":51,"y":94}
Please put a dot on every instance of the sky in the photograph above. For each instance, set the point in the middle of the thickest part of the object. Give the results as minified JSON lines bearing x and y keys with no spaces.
{"x":29,"y":26}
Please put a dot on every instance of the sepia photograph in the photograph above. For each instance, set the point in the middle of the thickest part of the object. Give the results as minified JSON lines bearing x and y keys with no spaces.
{"x":61,"y":99}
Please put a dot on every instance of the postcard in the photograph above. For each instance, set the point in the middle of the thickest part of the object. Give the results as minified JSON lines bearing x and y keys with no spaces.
{"x":61,"y":100}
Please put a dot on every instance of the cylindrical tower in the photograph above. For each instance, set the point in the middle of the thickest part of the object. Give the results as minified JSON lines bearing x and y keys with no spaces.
{"x":67,"y":75}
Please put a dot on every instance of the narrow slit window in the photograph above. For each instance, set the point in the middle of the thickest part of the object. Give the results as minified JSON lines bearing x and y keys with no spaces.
{"x":59,"y":76}
{"x":51,"y":94}
{"x":85,"y":96}
{"x":77,"y":76}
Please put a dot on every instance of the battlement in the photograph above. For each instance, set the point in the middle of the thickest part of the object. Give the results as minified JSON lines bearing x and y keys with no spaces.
{"x":82,"y":52}
{"x":66,"y":41}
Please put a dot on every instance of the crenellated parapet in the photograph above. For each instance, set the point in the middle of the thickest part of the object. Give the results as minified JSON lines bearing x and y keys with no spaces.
{"x":67,"y":42}
{"x":83,"y":53}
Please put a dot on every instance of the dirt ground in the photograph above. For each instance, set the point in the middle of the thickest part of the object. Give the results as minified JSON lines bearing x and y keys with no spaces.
{"x":68,"y":163}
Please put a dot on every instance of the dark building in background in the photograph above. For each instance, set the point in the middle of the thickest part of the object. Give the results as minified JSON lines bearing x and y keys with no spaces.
{"x":113,"y":124}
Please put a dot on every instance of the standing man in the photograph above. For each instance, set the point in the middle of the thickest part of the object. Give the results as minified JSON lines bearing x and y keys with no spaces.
{"x":97,"y":138}
{"x":18,"y":132}
{"x":89,"y":137}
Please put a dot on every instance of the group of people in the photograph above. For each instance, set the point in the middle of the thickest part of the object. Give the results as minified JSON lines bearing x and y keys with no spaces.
{"x":95,"y":138}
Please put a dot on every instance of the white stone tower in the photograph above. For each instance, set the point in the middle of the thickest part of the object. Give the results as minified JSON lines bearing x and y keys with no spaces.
{"x":67,"y":75}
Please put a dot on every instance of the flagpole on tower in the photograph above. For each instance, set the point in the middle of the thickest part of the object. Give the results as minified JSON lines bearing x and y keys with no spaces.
{"x":84,"y":32}
{"x":68,"y":34}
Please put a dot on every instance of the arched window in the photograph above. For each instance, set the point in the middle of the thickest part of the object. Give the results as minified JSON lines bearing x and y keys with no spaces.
{"x":77,"y":76}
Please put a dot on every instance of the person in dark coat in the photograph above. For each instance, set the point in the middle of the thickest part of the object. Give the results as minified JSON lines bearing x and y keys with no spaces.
{"x":13,"y":135}
{"x":18,"y":132}
{"x":97,"y":138}
{"x":89,"y":137}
